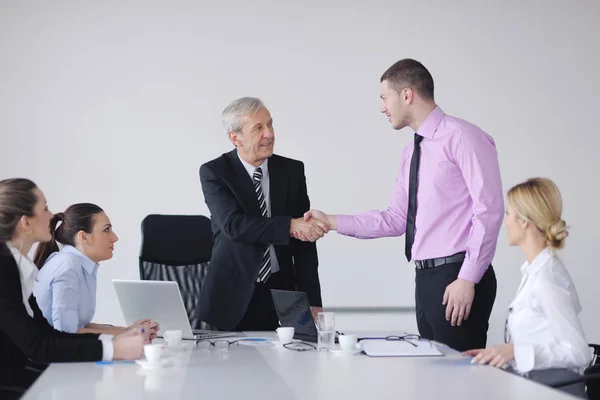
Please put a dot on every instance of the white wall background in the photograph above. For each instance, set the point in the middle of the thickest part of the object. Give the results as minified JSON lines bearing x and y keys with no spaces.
{"x":118,"y":103}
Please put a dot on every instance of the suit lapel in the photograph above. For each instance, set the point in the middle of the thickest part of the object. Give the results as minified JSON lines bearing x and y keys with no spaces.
{"x":244,"y":184}
{"x":278,"y":184}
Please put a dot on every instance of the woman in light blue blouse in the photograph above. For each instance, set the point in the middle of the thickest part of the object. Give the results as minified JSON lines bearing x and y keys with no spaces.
{"x":65,"y":287}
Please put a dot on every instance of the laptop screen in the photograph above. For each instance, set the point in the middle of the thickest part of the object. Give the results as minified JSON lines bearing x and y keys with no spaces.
{"x":293,"y":309}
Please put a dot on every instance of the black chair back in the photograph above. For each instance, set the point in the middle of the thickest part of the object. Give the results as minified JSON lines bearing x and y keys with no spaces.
{"x":593,"y":374}
{"x":596,"y":359}
{"x":177,"y":248}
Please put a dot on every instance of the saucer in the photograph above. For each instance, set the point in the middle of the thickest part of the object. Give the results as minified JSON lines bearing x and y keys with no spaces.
{"x":340,"y":352}
{"x":179,"y":347}
{"x":146,"y":365}
{"x":280,"y":344}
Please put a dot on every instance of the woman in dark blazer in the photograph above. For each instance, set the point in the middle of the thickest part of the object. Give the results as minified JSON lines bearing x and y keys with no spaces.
{"x":24,"y":332}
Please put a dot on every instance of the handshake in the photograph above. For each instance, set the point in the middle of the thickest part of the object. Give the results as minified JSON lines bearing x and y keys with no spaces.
{"x":313,"y":226}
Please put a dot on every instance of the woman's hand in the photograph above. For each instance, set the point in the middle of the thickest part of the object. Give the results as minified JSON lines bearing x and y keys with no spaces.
{"x":151,"y":327}
{"x":496,"y":356}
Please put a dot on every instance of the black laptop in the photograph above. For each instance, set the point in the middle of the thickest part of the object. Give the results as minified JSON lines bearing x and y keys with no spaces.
{"x":293,"y":310}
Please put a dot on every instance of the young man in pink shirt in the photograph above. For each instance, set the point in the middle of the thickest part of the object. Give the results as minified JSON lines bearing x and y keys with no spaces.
{"x":448,"y":201}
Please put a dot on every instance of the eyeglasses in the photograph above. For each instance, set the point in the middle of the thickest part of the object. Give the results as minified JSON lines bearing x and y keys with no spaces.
{"x":220,"y":344}
{"x":299,"y":346}
{"x":406,"y":338}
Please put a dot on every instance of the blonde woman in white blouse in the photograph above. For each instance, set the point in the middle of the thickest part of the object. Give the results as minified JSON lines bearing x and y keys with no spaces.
{"x":542,"y":332}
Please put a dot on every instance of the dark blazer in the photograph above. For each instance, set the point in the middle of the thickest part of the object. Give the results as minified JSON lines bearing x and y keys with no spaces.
{"x":240,"y":233}
{"x":23,"y":337}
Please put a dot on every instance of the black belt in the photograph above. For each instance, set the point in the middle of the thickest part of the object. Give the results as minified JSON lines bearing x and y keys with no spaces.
{"x":436,"y":262}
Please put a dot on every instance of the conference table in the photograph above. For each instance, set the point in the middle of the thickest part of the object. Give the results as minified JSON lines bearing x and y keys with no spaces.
{"x":270,"y":371}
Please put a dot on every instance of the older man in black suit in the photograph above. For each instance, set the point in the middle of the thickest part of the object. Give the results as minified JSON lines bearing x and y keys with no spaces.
{"x":256,"y":200}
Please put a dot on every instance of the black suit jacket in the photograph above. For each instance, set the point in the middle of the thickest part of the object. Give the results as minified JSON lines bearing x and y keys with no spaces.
{"x":23,"y":337}
{"x":240,"y":233}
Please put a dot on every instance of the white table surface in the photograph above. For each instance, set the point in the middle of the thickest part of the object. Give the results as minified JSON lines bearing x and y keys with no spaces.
{"x":247,"y":372}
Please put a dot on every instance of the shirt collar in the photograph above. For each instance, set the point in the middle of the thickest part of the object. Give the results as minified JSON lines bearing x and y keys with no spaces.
{"x":27,"y":271}
{"x":431,"y":123}
{"x":251,"y":168}
{"x":539,"y":261}
{"x":88,"y":265}
{"x":26,"y":266}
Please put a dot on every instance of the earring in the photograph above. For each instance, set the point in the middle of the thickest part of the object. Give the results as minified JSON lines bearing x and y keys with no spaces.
{"x":30,"y":232}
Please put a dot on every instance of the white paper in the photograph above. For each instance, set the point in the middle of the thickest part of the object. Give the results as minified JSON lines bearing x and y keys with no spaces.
{"x":399,"y":348}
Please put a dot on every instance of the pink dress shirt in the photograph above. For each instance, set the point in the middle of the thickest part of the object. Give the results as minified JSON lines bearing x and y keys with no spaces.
{"x":460,"y":202}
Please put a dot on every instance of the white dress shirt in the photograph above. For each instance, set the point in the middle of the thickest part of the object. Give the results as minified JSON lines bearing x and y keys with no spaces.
{"x":543,"y":321}
{"x":28,"y":272}
{"x":265,"y":188}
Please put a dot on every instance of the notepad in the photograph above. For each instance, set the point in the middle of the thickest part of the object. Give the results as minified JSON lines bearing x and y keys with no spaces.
{"x":399,"y":348}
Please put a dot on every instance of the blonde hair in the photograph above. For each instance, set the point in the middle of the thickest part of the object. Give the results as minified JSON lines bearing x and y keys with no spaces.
{"x":538,"y":201}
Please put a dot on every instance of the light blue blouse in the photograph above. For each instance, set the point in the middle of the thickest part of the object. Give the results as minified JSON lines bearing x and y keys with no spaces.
{"x":65,"y":289}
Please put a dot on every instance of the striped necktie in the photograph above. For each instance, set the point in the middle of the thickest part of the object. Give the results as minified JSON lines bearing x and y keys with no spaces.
{"x":265,"y":265}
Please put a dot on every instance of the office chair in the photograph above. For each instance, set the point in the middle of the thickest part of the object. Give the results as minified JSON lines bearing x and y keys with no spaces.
{"x":595,"y":360}
{"x":178,"y":248}
{"x":591,"y":376}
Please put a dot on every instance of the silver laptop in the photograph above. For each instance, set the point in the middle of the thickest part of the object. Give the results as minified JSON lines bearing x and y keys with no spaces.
{"x":160,"y":301}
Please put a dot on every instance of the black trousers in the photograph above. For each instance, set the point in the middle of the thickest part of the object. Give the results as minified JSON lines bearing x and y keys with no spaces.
{"x":260,"y":314}
{"x":431,"y":284}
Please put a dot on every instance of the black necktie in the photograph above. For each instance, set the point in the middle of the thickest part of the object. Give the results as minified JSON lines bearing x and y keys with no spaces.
{"x":265,"y":264}
{"x":412,"y":197}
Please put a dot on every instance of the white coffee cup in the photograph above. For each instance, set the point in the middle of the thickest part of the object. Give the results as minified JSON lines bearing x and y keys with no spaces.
{"x":153,"y":352}
{"x":286,"y":334}
{"x":348,"y":342}
{"x":173,"y":337}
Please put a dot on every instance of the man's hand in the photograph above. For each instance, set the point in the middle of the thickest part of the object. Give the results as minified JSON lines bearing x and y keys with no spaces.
{"x":458,"y":299}
{"x":129,"y":345}
{"x":308,"y":230}
{"x":315,"y":311}
{"x":330,"y":219}
{"x":496,"y":356}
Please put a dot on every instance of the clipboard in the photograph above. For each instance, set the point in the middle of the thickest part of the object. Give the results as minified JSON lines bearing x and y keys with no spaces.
{"x":399,"y":348}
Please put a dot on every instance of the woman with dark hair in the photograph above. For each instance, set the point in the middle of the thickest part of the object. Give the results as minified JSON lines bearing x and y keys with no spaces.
{"x":65,"y":288}
{"x":24,"y":332}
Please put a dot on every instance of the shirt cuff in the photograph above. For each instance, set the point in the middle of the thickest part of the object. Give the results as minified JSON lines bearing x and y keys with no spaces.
{"x":345,"y":225}
{"x":471,"y":272}
{"x":107,"y":347}
{"x":524,"y":357}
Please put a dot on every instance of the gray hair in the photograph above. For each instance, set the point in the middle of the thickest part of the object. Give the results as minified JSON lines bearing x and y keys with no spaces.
{"x":232,"y":114}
